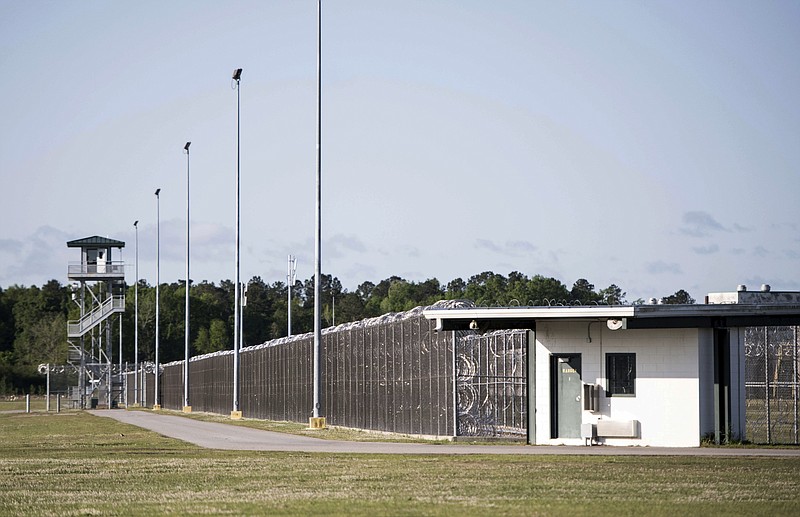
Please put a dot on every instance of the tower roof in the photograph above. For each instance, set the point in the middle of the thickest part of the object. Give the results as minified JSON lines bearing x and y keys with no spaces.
{"x":95,"y":242}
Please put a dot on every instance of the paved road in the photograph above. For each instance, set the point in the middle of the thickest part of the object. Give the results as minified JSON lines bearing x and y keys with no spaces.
{"x":213,"y":435}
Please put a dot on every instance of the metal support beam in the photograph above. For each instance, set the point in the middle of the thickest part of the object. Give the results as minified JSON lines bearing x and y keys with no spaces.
{"x":530,"y":375}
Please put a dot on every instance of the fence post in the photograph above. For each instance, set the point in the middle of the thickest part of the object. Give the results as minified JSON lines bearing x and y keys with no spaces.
{"x":795,"y":383}
{"x":58,"y":403}
{"x":48,"y":388}
{"x":766,"y":385}
{"x":28,"y":403}
{"x":454,"y":373}
{"x":143,"y":386}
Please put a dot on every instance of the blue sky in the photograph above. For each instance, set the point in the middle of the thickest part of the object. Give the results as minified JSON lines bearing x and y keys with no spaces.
{"x":652,"y":145}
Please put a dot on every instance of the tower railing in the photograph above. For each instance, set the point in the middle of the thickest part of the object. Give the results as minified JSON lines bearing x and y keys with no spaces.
{"x":100,"y":270}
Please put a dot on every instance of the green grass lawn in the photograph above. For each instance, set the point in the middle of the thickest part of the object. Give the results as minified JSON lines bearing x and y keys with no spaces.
{"x":78,"y":464}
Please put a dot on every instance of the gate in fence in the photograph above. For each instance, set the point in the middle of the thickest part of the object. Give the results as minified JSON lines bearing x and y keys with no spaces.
{"x":772,"y":384}
{"x":491,"y":384}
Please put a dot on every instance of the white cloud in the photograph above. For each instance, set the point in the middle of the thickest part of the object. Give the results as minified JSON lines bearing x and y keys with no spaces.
{"x":791,"y":254}
{"x":700,"y":224}
{"x":37,"y":258}
{"x":339,"y":245}
{"x":514,"y":248}
{"x":706,"y":250}
{"x":488,"y":245}
{"x":660,"y":267}
{"x":10,"y":247}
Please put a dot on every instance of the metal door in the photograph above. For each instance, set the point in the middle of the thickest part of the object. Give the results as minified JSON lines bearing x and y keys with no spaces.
{"x":566,"y":397}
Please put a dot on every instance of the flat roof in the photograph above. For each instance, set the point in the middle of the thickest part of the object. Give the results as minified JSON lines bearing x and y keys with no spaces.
{"x":630,"y":316}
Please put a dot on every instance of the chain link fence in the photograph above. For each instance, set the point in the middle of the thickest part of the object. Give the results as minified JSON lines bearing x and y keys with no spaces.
{"x":392,"y":373}
{"x":772,"y":384}
{"x":63,"y":380}
{"x":146,"y":385}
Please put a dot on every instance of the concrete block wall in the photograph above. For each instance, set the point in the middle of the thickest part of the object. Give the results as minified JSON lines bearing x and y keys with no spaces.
{"x":667,"y":390}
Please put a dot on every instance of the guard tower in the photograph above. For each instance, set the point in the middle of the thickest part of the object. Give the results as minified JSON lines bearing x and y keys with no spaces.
{"x":99,"y":295}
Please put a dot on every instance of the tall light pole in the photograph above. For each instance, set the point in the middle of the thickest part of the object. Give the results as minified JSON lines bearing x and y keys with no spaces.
{"x":245,"y":286}
{"x":124,"y":396}
{"x":290,"y":278}
{"x":156,"y":398}
{"x":136,"y":322}
{"x":187,"y":408}
{"x":316,"y":420}
{"x":237,"y":306}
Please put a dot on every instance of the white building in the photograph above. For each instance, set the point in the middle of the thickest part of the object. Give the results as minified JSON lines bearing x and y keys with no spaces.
{"x":644,"y":375}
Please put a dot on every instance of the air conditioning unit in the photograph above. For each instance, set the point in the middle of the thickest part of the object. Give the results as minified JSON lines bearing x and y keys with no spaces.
{"x":618,"y":428}
{"x":591,"y":397}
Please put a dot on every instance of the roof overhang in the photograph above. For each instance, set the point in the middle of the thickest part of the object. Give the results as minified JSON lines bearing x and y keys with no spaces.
{"x":95,"y":242}
{"x":623,"y":317}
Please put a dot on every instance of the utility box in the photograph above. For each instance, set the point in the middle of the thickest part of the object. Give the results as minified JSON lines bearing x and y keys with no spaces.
{"x":589,"y":433}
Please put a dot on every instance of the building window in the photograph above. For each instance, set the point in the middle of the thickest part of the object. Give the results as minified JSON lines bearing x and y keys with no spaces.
{"x":620,"y":374}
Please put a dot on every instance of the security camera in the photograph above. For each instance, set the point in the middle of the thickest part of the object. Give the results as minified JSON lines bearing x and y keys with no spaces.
{"x":473,"y":325}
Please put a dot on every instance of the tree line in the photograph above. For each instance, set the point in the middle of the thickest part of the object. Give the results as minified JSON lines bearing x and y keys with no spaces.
{"x":33,"y":319}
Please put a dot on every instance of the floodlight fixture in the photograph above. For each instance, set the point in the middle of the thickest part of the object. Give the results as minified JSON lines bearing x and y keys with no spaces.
{"x":237,"y":74}
{"x":158,"y":191}
{"x":186,"y":147}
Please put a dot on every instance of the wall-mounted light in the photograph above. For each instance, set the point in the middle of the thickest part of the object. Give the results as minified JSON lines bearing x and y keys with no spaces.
{"x":617,"y":324}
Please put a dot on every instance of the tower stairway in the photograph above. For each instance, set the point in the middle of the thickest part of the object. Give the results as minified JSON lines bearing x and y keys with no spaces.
{"x":114,"y":304}
{"x":75,"y":353}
